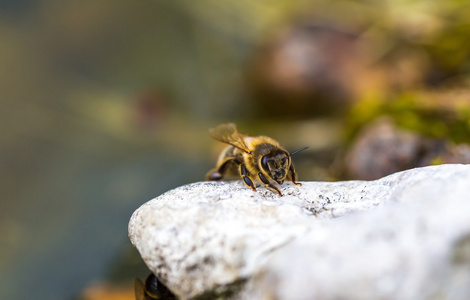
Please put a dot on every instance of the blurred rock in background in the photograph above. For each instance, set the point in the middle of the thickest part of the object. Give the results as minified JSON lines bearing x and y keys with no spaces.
{"x":306,"y":70}
{"x":382,"y":149}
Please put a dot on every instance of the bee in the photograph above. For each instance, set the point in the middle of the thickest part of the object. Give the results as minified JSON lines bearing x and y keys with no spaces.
{"x":152,"y":289}
{"x":254,"y":158}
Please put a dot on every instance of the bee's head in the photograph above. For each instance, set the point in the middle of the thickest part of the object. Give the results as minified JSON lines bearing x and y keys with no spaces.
{"x":276,"y":164}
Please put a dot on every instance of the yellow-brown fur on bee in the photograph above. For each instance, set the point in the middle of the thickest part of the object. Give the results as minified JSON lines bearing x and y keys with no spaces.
{"x":254,"y":158}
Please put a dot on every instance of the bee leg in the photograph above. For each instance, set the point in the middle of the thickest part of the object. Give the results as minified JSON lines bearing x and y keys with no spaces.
{"x":247,"y":180}
{"x":268,"y":184}
{"x":214,"y":175}
{"x":219,"y":173}
{"x":293,"y":175}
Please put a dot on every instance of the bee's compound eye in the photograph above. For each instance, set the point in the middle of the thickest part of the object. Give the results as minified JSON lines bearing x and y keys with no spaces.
{"x":152,"y":286}
{"x":154,"y":289}
{"x":264,"y":163}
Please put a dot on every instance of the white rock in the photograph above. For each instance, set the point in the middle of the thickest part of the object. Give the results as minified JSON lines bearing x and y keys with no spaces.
{"x":405,"y":236}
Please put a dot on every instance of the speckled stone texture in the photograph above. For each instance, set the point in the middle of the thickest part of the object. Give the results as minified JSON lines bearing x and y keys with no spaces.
{"x":405,"y":236}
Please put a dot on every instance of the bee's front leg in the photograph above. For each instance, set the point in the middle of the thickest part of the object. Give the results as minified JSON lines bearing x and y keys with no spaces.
{"x":268,"y":184}
{"x":293,"y":175}
{"x":245,"y":176}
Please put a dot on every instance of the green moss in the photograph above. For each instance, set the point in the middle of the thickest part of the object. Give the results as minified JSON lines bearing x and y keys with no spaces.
{"x":438,"y":160}
{"x":434,"y":115}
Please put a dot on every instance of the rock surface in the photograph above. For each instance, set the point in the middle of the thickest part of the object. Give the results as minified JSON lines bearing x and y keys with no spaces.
{"x":405,"y":236}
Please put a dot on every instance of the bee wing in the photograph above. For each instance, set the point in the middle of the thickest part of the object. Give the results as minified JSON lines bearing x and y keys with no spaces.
{"x":228,"y":133}
{"x":139,"y":290}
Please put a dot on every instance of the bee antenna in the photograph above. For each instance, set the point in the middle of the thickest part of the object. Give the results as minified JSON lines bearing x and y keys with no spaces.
{"x":297,"y":151}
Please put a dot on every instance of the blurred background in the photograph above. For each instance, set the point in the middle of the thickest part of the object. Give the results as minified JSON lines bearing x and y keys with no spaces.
{"x":105,"y":105}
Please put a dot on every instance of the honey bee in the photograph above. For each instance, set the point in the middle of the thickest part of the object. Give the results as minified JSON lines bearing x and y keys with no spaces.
{"x":254,"y":158}
{"x":152,"y":289}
